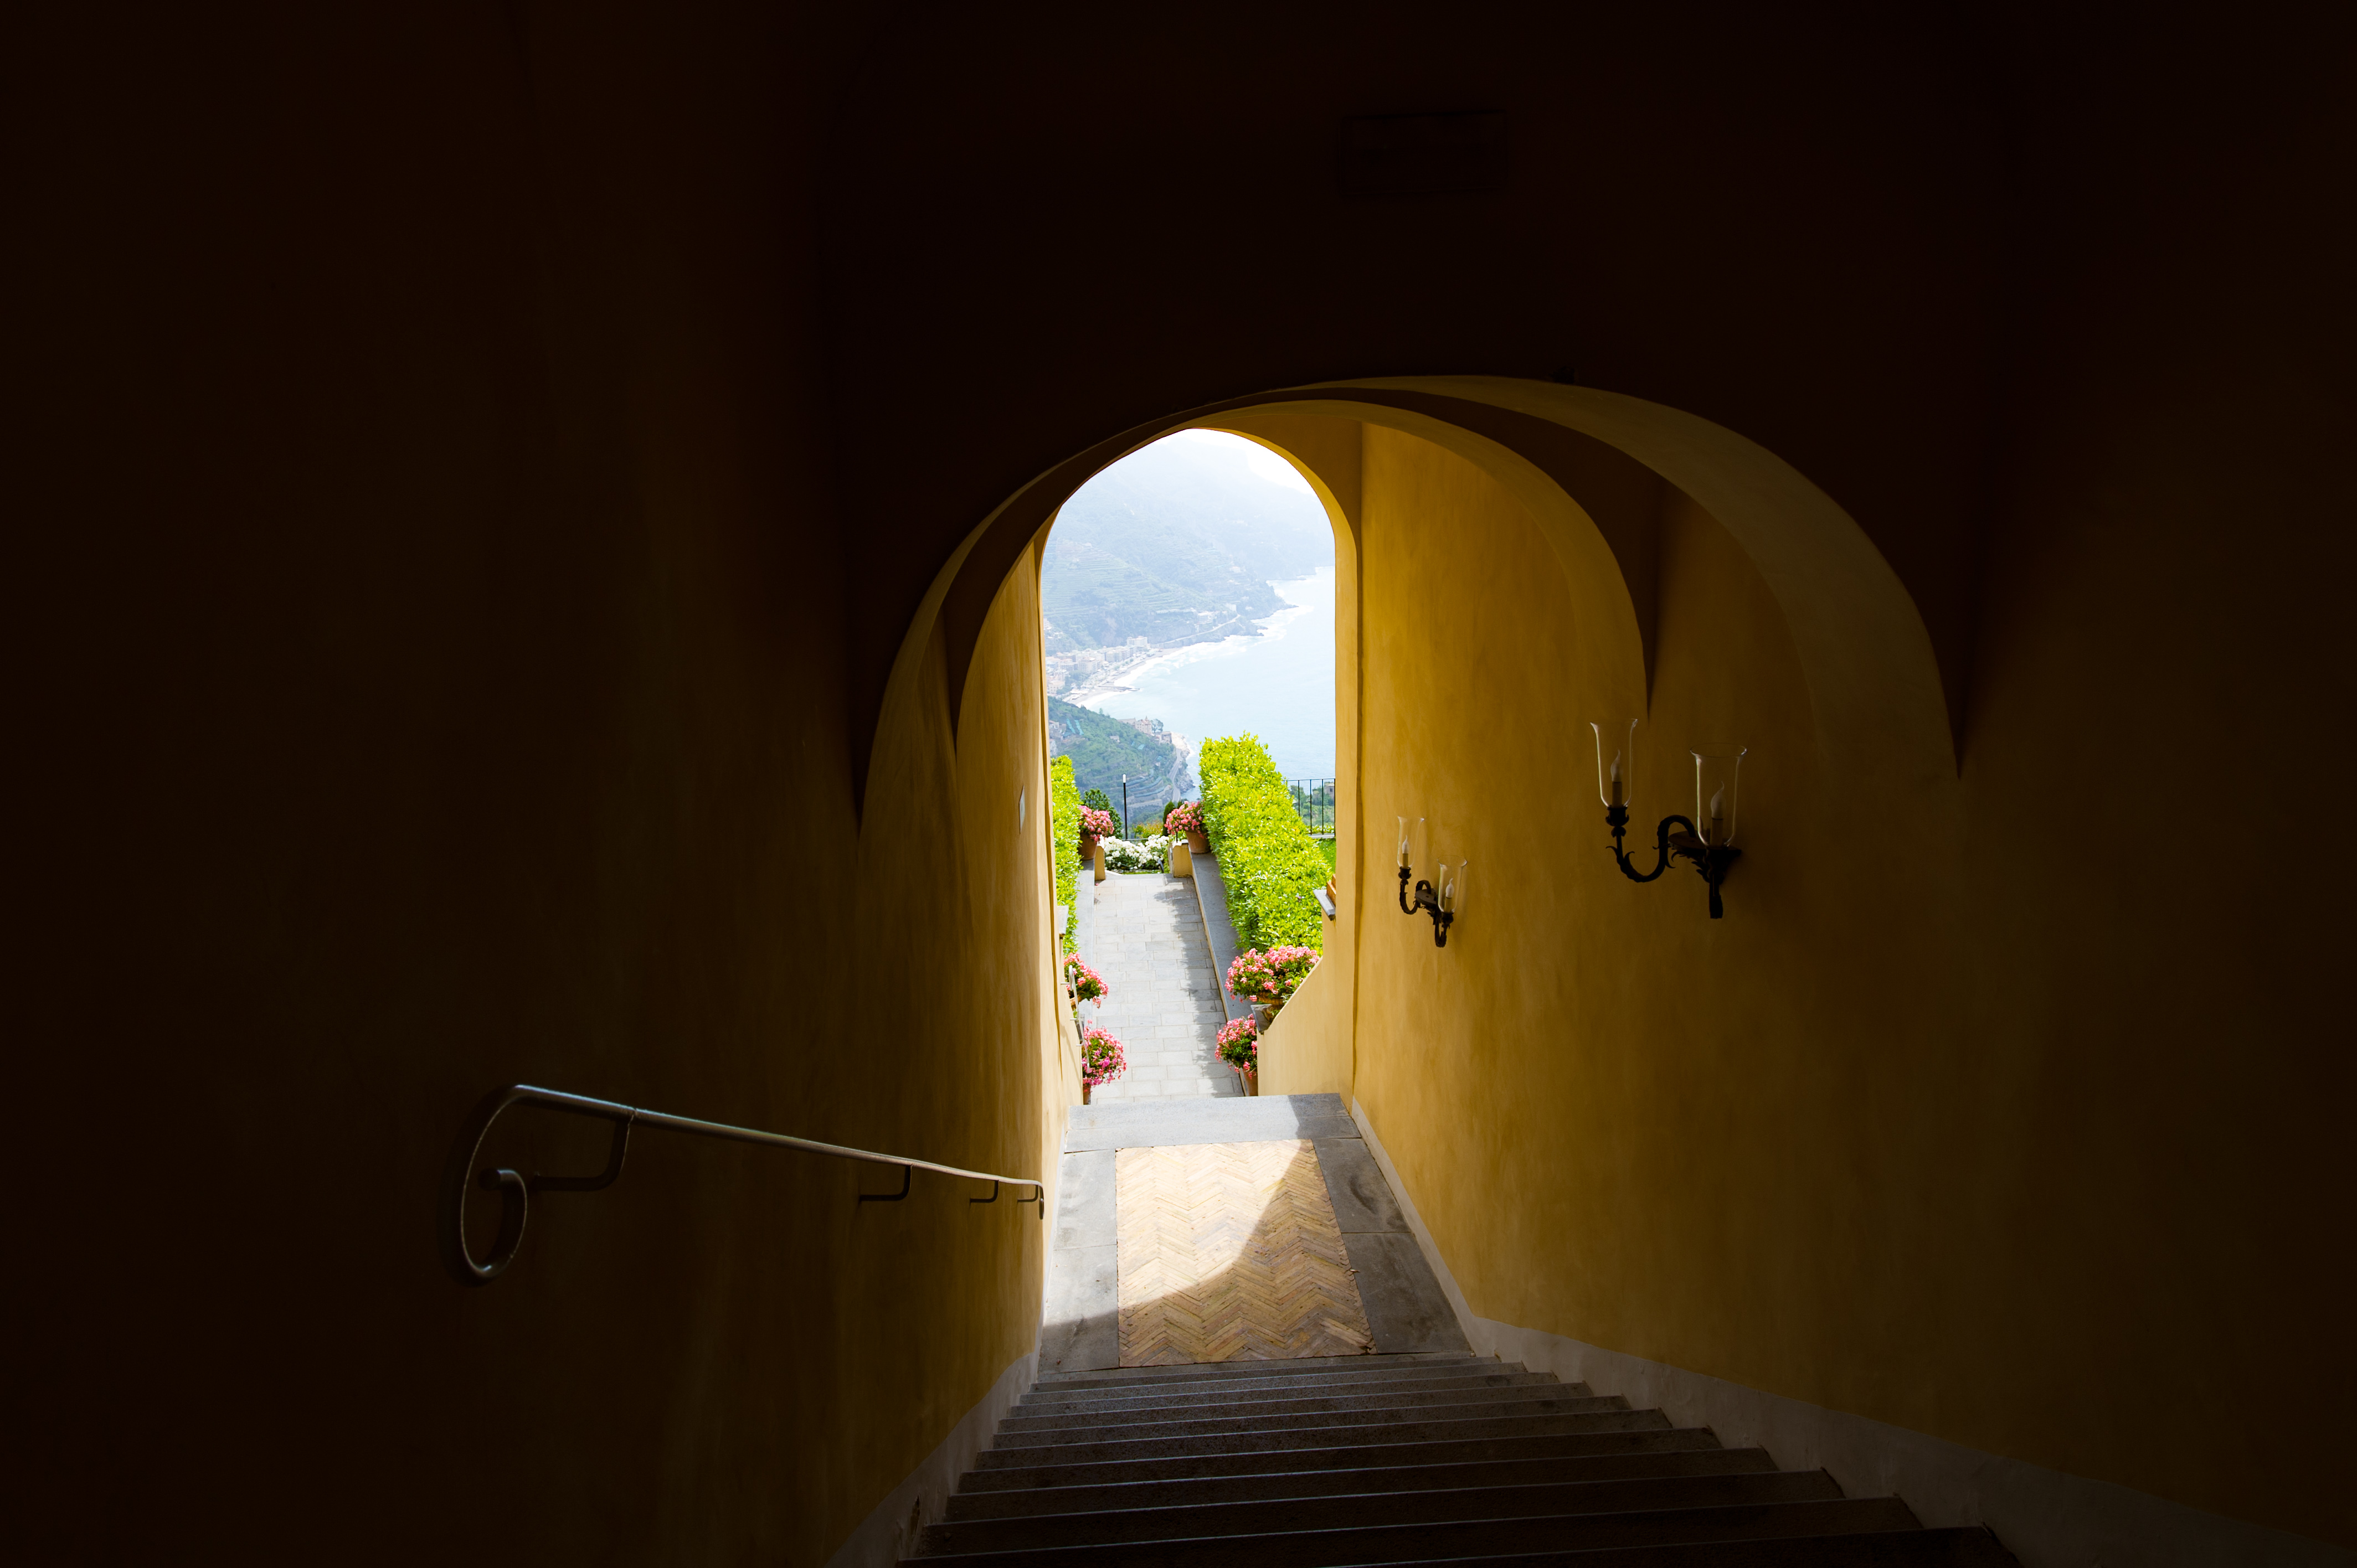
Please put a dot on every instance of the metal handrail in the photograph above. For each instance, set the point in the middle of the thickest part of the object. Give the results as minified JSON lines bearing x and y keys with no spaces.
{"x":515,"y":1189}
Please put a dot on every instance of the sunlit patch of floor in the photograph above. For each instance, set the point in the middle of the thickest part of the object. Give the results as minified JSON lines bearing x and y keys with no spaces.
{"x":1230,"y":1252}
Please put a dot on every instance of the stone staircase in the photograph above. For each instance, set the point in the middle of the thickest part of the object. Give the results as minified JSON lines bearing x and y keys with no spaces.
{"x":1370,"y":1459}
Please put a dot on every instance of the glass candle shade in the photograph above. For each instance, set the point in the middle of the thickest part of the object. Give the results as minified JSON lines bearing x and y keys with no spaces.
{"x":1616,"y":759}
{"x":1452,"y":888}
{"x":1717,"y":763}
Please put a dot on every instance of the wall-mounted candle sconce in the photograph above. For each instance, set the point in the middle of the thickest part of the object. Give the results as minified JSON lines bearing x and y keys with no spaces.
{"x":1711,"y":847}
{"x":1443,"y":897}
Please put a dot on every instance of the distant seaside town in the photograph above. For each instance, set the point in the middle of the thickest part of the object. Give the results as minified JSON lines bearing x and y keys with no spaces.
{"x":1082,"y":673}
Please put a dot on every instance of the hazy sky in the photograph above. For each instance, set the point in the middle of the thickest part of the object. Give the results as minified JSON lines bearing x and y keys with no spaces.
{"x":1279,"y":684}
{"x":1263,"y":463}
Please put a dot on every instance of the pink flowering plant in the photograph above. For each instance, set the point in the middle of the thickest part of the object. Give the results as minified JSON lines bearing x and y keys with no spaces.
{"x":1185,"y":818}
{"x":1087,"y":983}
{"x":1096,"y":822}
{"x":1240,"y":1045}
{"x":1273,"y":976}
{"x":1101,"y":1058}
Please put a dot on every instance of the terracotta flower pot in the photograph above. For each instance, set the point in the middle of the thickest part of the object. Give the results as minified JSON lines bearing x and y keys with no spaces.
{"x":1251,"y":1080}
{"x":1084,"y":1093}
{"x":1198,"y":844}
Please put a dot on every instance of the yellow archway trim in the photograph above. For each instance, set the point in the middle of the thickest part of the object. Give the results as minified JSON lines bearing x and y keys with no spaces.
{"x":1873,"y":675}
{"x":1873,"y":678}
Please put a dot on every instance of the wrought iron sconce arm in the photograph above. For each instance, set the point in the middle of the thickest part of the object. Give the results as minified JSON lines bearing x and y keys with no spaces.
{"x":1429,"y":902}
{"x":1710,"y":861}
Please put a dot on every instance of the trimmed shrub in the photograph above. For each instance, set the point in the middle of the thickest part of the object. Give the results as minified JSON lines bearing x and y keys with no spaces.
{"x":1271,"y":866}
{"x":1064,"y":830}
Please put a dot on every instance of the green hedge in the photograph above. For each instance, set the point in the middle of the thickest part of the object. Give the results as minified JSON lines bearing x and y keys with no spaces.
{"x":1064,"y":823}
{"x":1270,"y":863}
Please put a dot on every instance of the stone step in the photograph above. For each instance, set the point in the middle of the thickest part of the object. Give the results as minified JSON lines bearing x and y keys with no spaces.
{"x":1109,"y":1377}
{"x":1134,"y":1398}
{"x":1966,"y":1546}
{"x":1429,"y":1429}
{"x":1294,"y":1402}
{"x":1018,"y":1432}
{"x":1180,"y":1492}
{"x":1364,"y":1510}
{"x":1461,"y":1538}
{"x":1024,"y":1432}
{"x":1045,"y":1468}
{"x":1350,"y":1378}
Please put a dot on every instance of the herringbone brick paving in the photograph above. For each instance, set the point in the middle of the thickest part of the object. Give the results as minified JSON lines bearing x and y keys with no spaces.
{"x":1230,"y":1252}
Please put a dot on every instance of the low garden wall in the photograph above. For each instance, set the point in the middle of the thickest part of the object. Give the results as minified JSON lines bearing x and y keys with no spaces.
{"x":1307,"y":1049}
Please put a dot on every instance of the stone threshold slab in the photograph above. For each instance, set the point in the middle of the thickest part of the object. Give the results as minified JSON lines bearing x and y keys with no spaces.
{"x":1154,"y":1124}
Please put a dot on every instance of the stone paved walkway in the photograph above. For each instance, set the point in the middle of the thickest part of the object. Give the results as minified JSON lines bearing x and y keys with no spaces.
{"x":1146,"y":939}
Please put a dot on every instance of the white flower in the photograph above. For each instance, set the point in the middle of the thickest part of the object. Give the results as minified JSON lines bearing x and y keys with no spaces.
{"x":1150,"y":856}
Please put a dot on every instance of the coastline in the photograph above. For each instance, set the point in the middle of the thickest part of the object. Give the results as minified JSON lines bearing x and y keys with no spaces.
{"x":1274,"y":681}
{"x":1126,"y":678}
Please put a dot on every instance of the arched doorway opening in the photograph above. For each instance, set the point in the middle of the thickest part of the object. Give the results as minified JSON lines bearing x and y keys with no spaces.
{"x":1512,"y":560}
{"x":1188,"y":624}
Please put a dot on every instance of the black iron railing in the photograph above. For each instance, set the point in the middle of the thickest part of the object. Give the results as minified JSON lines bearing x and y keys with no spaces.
{"x":516,"y":1190}
{"x":1314,"y":798}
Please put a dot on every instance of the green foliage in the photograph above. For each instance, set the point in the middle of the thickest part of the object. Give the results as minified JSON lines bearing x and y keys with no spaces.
{"x":1064,"y":830}
{"x":1095,"y":800}
{"x":1270,"y":863}
{"x":1103,"y":749}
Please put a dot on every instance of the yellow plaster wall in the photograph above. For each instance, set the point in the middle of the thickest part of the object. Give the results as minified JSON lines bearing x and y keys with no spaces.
{"x":958,"y":1046}
{"x":1857,"y":1143}
{"x":1307,"y":1049}
{"x":443,"y":608}
{"x":1314,"y":1055}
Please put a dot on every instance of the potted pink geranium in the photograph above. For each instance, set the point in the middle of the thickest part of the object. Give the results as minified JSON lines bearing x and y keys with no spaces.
{"x":1187,"y":818}
{"x":1269,"y":979}
{"x":1101,"y":1059}
{"x":1088,"y":985}
{"x":1240,"y":1048}
{"x":1096,"y":823}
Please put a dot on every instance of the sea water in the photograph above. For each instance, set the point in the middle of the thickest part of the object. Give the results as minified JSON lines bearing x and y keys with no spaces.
{"x":1278,"y":685}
